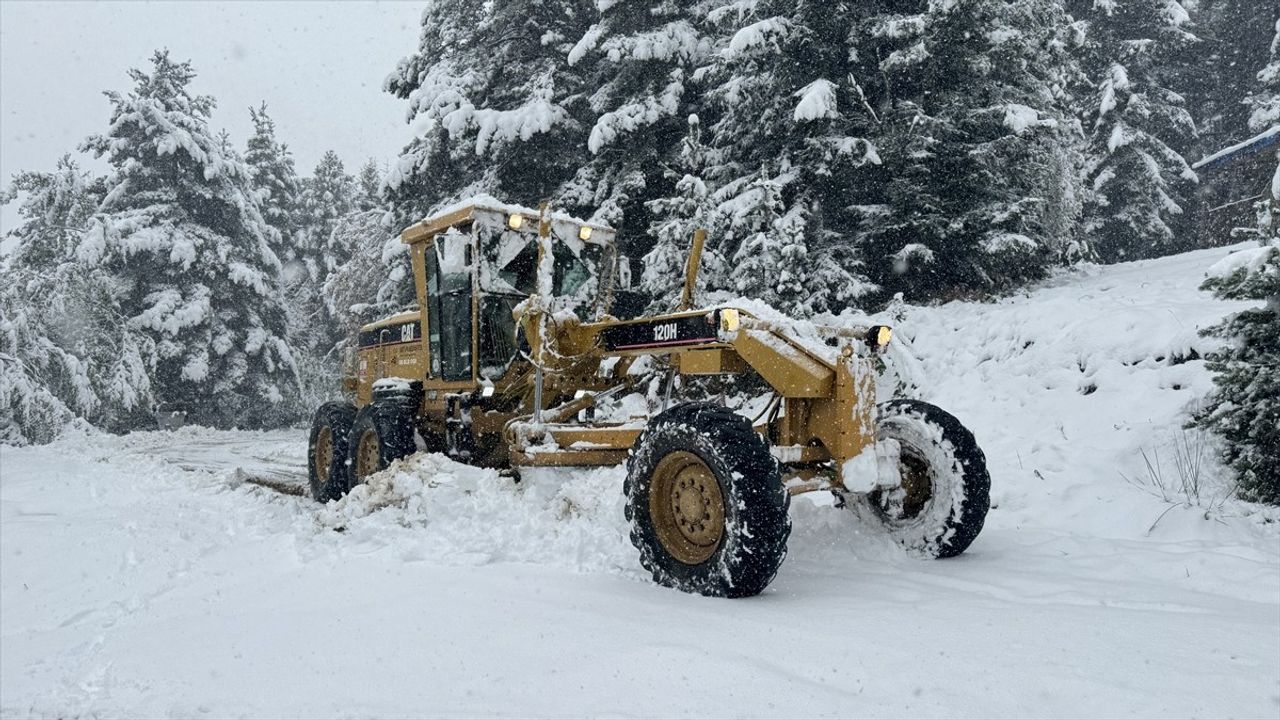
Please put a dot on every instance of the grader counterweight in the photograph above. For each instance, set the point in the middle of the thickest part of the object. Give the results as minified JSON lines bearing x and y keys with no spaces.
{"x":512,"y":358}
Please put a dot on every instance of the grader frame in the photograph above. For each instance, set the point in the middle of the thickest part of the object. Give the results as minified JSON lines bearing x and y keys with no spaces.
{"x":821,"y":418}
{"x":512,"y":350}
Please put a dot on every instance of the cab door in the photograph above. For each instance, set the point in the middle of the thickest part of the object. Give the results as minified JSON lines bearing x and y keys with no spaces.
{"x":450,"y":270}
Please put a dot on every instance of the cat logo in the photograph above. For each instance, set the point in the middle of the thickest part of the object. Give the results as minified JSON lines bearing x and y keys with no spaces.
{"x":406,"y":332}
{"x":664,"y":332}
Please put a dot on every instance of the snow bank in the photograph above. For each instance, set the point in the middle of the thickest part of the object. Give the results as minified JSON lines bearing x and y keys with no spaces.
{"x":1250,"y":260}
{"x":1067,"y":391}
{"x":429,"y":506}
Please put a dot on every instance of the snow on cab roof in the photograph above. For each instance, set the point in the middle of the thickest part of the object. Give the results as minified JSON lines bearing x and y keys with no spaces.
{"x":465,"y":209}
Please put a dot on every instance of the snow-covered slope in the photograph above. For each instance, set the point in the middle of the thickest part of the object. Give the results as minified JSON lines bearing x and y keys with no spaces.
{"x":141,"y":575}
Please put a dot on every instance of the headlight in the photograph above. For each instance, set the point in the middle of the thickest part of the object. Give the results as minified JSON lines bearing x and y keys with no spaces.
{"x":515,"y":220}
{"x":584,"y":233}
{"x":730,"y":320}
{"x":879,"y":335}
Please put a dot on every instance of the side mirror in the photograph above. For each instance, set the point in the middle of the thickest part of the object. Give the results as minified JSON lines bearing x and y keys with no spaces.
{"x":624,"y":272}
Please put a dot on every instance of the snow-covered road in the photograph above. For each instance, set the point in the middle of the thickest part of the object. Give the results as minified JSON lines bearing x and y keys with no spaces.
{"x":141,"y":576}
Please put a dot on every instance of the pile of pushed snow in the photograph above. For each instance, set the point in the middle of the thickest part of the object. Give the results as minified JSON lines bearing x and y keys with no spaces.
{"x":398,"y":494}
{"x":427,"y":505}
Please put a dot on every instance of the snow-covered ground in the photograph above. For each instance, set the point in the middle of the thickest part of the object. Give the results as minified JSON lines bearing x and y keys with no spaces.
{"x":142,"y":576}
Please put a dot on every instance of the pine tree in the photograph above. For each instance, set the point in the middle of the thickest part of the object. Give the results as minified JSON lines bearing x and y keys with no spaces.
{"x":1222,"y":71}
{"x":676,"y":219}
{"x":1266,"y":100}
{"x":1139,"y":185}
{"x":357,"y":292}
{"x":975,"y":191}
{"x":760,"y":264}
{"x":275,"y":180}
{"x":56,"y":211}
{"x":499,"y":105}
{"x":46,"y":328}
{"x":65,"y":327}
{"x":642,"y":65}
{"x":327,"y":196}
{"x":181,"y":234}
{"x":369,"y":187}
{"x":640,"y":56}
{"x":1245,"y":407}
{"x":791,"y":120}
{"x":32,"y":408}
{"x":372,"y":281}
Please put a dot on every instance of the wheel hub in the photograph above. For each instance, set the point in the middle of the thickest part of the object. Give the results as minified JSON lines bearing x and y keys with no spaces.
{"x":912,"y":495}
{"x":687,"y":507}
{"x":324,"y":452}
{"x":368,"y":457}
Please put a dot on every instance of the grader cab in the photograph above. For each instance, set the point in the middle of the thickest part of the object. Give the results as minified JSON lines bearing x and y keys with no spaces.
{"x":513,"y":359}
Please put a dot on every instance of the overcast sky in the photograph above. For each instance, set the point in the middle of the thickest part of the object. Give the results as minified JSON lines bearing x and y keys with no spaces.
{"x":318,"y":65}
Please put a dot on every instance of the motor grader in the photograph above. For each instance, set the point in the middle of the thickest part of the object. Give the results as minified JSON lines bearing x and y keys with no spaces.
{"x":512,"y":359}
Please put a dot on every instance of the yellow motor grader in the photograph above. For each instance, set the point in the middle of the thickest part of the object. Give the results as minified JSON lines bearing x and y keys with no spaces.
{"x":512,"y":359}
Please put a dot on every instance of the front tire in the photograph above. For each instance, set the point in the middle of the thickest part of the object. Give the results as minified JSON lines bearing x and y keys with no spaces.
{"x":327,"y":450}
{"x":706,"y":502}
{"x":941,"y":504}
{"x":382,"y":433}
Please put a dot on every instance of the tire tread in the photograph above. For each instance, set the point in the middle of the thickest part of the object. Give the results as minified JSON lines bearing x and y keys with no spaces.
{"x":754,"y":485}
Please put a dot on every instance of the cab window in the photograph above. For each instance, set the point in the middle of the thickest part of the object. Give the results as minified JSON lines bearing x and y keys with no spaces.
{"x":449,"y":290}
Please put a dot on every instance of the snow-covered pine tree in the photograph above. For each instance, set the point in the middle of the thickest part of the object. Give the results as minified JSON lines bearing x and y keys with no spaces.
{"x":675,"y":220}
{"x":327,"y":196}
{"x":1139,"y":185}
{"x":275,"y":180}
{"x":976,"y":191}
{"x":195,"y":278}
{"x":764,"y":264}
{"x":46,"y":376}
{"x":791,"y":121}
{"x":54,"y":214}
{"x":1221,"y":71}
{"x":1245,"y":407}
{"x":65,"y":327}
{"x":34,"y":374}
{"x":369,"y":187}
{"x":374,"y":281}
{"x":498,"y":105}
{"x":642,"y":64}
{"x":1266,"y":99}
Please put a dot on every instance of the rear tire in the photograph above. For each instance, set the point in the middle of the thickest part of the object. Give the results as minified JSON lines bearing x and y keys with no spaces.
{"x":327,"y":450}
{"x":942,"y":503}
{"x":706,"y":502}
{"x":381,"y":434}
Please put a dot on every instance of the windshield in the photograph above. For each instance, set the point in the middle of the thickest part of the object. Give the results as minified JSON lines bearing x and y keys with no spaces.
{"x":509,"y":265}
